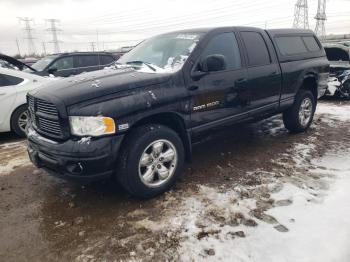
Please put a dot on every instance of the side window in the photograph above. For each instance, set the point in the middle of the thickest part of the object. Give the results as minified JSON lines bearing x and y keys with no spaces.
{"x":311,"y":43}
{"x":6,"y":80}
{"x":106,"y":60}
{"x":257,"y":51}
{"x":63,"y":63}
{"x":337,"y":54}
{"x":225,"y":44}
{"x":87,"y":60}
{"x":290,"y":45}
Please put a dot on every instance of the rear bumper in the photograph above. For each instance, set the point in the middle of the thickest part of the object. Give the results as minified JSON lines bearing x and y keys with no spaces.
{"x":78,"y":160}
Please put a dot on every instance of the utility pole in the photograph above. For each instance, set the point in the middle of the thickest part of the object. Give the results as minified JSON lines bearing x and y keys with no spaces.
{"x":44,"y":48}
{"x":29,"y":36}
{"x":53,"y":29}
{"x":321,"y":18}
{"x":19,"y":52}
{"x":92,"y":44}
{"x":301,"y":15}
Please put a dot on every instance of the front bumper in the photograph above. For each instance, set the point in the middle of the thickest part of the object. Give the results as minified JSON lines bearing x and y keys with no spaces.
{"x":83,"y":160}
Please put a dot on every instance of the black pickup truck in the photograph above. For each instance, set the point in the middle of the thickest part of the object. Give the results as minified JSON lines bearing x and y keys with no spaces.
{"x":136,"y":121}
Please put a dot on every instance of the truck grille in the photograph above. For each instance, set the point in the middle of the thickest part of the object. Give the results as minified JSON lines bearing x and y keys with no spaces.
{"x":44,"y":117}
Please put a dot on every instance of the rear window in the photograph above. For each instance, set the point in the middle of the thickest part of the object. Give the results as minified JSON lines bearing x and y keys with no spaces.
{"x":311,"y":43}
{"x":290,"y":45}
{"x":258,"y":53}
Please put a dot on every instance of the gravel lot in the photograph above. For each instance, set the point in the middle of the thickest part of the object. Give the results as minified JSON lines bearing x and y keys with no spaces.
{"x":253,"y":192}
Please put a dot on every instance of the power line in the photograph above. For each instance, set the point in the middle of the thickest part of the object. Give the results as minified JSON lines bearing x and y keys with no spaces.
{"x":301,"y":15}
{"x":29,"y":36}
{"x":321,"y":17}
{"x":53,"y":29}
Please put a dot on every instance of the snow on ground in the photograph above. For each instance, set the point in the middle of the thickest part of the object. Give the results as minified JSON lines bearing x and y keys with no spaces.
{"x":341,"y":113}
{"x":15,"y":156}
{"x":299,"y":214}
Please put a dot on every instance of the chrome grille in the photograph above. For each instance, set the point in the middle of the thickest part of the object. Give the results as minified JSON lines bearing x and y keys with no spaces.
{"x":45,"y":117}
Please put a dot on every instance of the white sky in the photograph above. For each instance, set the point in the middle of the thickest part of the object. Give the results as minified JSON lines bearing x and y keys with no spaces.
{"x":121,"y":23}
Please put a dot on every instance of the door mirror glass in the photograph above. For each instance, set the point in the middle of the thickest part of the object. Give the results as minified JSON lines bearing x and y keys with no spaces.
{"x":213,"y":63}
{"x":52,"y":70}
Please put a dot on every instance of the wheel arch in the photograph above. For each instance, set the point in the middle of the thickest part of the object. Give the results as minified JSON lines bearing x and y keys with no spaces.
{"x":13,"y":112}
{"x":310,"y":83}
{"x":173,"y":121}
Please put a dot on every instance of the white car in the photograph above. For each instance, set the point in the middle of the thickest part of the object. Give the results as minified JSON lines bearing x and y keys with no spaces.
{"x":14,"y":86}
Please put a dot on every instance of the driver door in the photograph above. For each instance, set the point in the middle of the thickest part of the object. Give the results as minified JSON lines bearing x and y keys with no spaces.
{"x":63,"y":66}
{"x":218,"y":97}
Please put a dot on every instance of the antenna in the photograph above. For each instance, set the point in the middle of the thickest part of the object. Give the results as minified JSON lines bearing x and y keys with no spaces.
{"x":301,"y":15}
{"x":321,"y":17}
{"x":53,"y":29}
{"x":28,"y":30}
{"x":44,"y":47}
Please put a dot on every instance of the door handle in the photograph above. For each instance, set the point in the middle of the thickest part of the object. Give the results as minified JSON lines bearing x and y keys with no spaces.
{"x":241,"y":81}
{"x":192,"y":88}
{"x":274,"y":73}
{"x":2,"y":94}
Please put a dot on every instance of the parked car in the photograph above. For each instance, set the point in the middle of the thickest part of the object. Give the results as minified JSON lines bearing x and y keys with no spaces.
{"x":14,"y":86}
{"x":339,"y":79}
{"x":69,"y":64}
{"x":136,"y":122}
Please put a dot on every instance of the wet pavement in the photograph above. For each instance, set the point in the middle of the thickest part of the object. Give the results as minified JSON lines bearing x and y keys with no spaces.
{"x":44,"y":218}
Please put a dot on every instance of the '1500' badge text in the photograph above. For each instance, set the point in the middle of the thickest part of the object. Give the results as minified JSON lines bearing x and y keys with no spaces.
{"x":201,"y":107}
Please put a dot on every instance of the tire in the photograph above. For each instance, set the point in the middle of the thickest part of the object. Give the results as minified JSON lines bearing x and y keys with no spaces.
{"x":19,"y":120}
{"x":150,"y":143}
{"x":291,"y":118}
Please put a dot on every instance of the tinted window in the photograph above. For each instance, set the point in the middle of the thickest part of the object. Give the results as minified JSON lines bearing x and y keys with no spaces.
{"x":226,"y":45}
{"x":258,"y":53}
{"x":290,"y":45}
{"x":336,"y":54}
{"x":63,"y":63}
{"x":106,"y":60}
{"x":311,"y":43}
{"x":6,"y":80}
{"x":87,"y":60}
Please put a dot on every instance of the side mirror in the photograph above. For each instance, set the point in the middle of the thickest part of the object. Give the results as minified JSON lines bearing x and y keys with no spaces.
{"x":52,"y":70}
{"x":213,"y":63}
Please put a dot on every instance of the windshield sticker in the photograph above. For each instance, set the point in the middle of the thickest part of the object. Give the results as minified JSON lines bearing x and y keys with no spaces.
{"x":187,"y":36}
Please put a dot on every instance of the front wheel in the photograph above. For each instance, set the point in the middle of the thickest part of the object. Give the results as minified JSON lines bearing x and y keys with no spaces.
{"x":19,"y":120}
{"x":299,"y":117}
{"x":151,"y":161}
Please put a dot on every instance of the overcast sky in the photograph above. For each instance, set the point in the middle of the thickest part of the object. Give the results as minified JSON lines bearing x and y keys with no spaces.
{"x":115,"y":23}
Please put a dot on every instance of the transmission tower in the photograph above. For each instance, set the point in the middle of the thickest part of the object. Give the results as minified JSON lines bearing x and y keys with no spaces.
{"x":301,"y":15}
{"x":53,"y":29}
{"x":321,"y":17}
{"x":29,"y":36}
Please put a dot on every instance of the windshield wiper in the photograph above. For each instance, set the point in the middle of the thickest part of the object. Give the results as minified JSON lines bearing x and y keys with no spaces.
{"x":142,"y":62}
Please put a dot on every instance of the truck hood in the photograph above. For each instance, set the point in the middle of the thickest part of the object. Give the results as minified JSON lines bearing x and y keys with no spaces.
{"x":76,"y":89}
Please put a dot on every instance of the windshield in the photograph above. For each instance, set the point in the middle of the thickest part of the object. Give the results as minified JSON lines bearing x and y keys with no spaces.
{"x":164,"y":53}
{"x":43,"y":63}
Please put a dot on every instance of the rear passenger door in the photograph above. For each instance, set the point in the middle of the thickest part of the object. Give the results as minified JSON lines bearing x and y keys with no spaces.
{"x":105,"y":60}
{"x":264,"y":75}
{"x":86,"y":63}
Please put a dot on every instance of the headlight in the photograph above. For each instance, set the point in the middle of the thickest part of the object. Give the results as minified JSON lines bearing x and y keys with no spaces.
{"x":91,"y":125}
